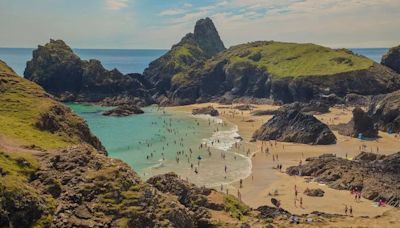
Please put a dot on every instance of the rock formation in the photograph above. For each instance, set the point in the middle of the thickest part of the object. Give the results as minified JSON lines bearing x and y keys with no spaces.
{"x":312,"y":108}
{"x":257,"y":70}
{"x":124,"y":110}
{"x":361,"y":123}
{"x":168,"y":73}
{"x":62,"y":73}
{"x":205,"y":111}
{"x":392,"y":59}
{"x":385,"y":111}
{"x":293,"y":126}
{"x":376,"y":176}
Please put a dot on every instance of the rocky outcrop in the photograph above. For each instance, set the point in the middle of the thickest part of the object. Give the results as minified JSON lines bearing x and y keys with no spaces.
{"x":365,"y":173}
{"x":385,"y":111}
{"x":123,"y":110}
{"x":90,"y":189}
{"x":205,"y":111}
{"x":314,"y":192}
{"x":62,"y":73}
{"x":360,"y":124}
{"x":168,"y":73}
{"x":38,"y":120}
{"x":293,"y":126}
{"x":392,"y":59}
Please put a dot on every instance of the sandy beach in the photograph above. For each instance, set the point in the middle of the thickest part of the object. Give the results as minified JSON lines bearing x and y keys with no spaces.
{"x":265,"y":180}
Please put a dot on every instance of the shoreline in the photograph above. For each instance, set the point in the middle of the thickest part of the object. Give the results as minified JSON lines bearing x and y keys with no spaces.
{"x":264,"y":179}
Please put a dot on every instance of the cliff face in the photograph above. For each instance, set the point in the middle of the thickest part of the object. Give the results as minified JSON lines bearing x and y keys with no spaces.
{"x":62,"y":73}
{"x":385,"y":111}
{"x":35,"y":119}
{"x":392,"y":59}
{"x":285,"y":72}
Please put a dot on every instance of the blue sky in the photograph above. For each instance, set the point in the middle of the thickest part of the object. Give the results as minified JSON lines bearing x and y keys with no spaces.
{"x":161,"y":23}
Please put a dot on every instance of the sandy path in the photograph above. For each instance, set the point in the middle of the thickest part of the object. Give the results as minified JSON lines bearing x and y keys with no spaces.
{"x":265,"y":179}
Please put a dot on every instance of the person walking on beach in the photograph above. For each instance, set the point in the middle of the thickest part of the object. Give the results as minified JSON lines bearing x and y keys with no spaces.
{"x":351,"y":211}
{"x":241,"y":183}
{"x":301,"y":202}
{"x":345,"y":209}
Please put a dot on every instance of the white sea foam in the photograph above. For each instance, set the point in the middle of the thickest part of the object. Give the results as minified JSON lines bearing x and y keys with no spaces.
{"x":223,"y":140}
{"x":213,"y":119}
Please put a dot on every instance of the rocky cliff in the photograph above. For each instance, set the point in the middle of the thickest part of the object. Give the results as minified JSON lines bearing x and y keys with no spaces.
{"x":392,"y":59}
{"x":285,"y":72}
{"x":62,"y":73}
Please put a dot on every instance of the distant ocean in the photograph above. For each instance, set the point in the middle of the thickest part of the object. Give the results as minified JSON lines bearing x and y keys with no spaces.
{"x":128,"y":60}
{"x":125,"y":60}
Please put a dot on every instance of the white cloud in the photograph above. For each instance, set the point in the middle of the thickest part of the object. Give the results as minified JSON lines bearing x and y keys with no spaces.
{"x":172,"y":12}
{"x":116,"y":4}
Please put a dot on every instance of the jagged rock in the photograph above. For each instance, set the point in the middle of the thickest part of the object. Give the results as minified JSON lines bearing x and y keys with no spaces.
{"x":207,"y":37}
{"x":317,"y":192}
{"x":357,"y":100}
{"x":385,"y":111}
{"x":62,"y":73}
{"x":205,"y":111}
{"x":293,"y":126}
{"x":361,"y":123}
{"x":124,"y":110}
{"x":376,"y":177}
{"x":392,"y":59}
{"x":188,"y":194}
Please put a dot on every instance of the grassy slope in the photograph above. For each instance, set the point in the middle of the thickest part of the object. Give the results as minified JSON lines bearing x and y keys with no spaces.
{"x":295,"y":60}
{"x":21,"y":104}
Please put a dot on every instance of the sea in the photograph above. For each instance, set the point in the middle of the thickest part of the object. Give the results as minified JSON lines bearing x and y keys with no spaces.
{"x":199,"y":148}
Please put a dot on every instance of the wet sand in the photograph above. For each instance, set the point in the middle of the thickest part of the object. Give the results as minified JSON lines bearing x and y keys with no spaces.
{"x":265,"y":179}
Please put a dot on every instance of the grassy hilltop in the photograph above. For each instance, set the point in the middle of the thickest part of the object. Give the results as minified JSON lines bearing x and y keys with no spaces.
{"x":282,"y":59}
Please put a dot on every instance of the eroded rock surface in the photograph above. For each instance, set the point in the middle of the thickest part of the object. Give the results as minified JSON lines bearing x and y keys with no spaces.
{"x":376,"y":176}
{"x":294,"y":126}
{"x":392,"y":59}
{"x":124,"y":110}
{"x":205,"y":111}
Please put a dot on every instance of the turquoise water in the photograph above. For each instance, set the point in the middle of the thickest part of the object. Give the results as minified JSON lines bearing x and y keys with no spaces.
{"x":126,"y":61}
{"x":152,"y":142}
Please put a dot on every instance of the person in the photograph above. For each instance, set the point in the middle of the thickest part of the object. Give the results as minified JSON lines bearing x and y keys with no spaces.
{"x":241,"y":183}
{"x":345,"y":209}
{"x":301,"y":202}
{"x":351,"y":211}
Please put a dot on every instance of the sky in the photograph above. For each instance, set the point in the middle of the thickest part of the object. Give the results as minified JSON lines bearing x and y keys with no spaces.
{"x":158,"y":24}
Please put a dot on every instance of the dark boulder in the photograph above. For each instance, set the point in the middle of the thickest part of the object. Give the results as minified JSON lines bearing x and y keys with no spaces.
{"x":315,"y":192}
{"x":205,"y":111}
{"x":385,"y":111}
{"x":392,"y":59}
{"x":293,"y":126}
{"x":312,"y":107}
{"x":361,"y":123}
{"x":124,"y":110}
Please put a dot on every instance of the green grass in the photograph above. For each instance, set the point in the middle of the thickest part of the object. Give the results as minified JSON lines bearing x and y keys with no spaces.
{"x":236,"y":208}
{"x":21,"y":104}
{"x":295,"y":60}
